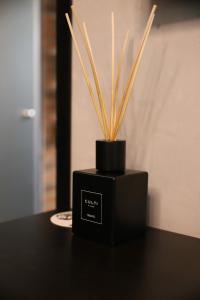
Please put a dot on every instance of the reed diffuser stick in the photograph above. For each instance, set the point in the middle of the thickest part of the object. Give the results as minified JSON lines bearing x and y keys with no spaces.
{"x":110,"y":126}
{"x":133,"y":66}
{"x":132,"y":75}
{"x":112,"y":76}
{"x":125,"y":104}
{"x":94,"y":102}
{"x":84,"y":33}
{"x":96,"y":79}
{"x":121,"y":61}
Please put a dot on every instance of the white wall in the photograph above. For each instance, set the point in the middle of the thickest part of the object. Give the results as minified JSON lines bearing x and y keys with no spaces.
{"x":162,"y":125}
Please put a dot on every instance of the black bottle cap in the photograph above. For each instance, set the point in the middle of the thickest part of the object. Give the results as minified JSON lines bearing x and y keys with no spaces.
{"x":110,"y":155}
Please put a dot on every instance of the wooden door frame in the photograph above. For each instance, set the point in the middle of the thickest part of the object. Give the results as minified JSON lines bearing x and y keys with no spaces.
{"x":63,"y":106}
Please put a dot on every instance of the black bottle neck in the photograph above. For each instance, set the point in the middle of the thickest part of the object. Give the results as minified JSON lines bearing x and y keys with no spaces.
{"x":110,"y":155}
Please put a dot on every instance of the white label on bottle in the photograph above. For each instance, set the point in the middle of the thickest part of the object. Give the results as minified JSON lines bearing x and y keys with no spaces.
{"x":91,"y":206}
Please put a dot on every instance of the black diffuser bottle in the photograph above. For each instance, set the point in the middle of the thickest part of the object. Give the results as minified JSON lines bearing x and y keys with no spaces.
{"x":109,"y":202}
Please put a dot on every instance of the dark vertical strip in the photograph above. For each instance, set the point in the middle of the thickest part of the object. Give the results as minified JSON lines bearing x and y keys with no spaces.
{"x":63,"y":138}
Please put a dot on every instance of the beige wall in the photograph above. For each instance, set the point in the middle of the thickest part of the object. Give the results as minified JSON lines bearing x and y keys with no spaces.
{"x":162,"y":125}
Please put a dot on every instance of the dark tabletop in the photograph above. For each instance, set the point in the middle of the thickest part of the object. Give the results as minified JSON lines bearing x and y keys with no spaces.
{"x":39,"y":260}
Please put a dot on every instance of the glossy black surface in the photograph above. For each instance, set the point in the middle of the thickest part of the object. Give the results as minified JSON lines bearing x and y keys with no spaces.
{"x":39,"y":260}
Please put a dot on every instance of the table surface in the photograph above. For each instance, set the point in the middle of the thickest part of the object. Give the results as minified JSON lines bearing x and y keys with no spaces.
{"x":39,"y":260}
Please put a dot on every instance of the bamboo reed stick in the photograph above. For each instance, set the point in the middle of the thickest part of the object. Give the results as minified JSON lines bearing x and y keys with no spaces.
{"x":133,"y":66}
{"x":127,"y":98}
{"x":121,"y":60}
{"x":132,"y":74}
{"x":112,"y":106}
{"x":94,"y":102}
{"x":111,"y":130}
{"x":129,"y":90}
{"x":84,"y":33}
{"x":97,"y":83}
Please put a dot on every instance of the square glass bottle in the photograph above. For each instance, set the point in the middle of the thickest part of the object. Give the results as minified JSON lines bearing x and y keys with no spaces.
{"x":109,"y":202}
